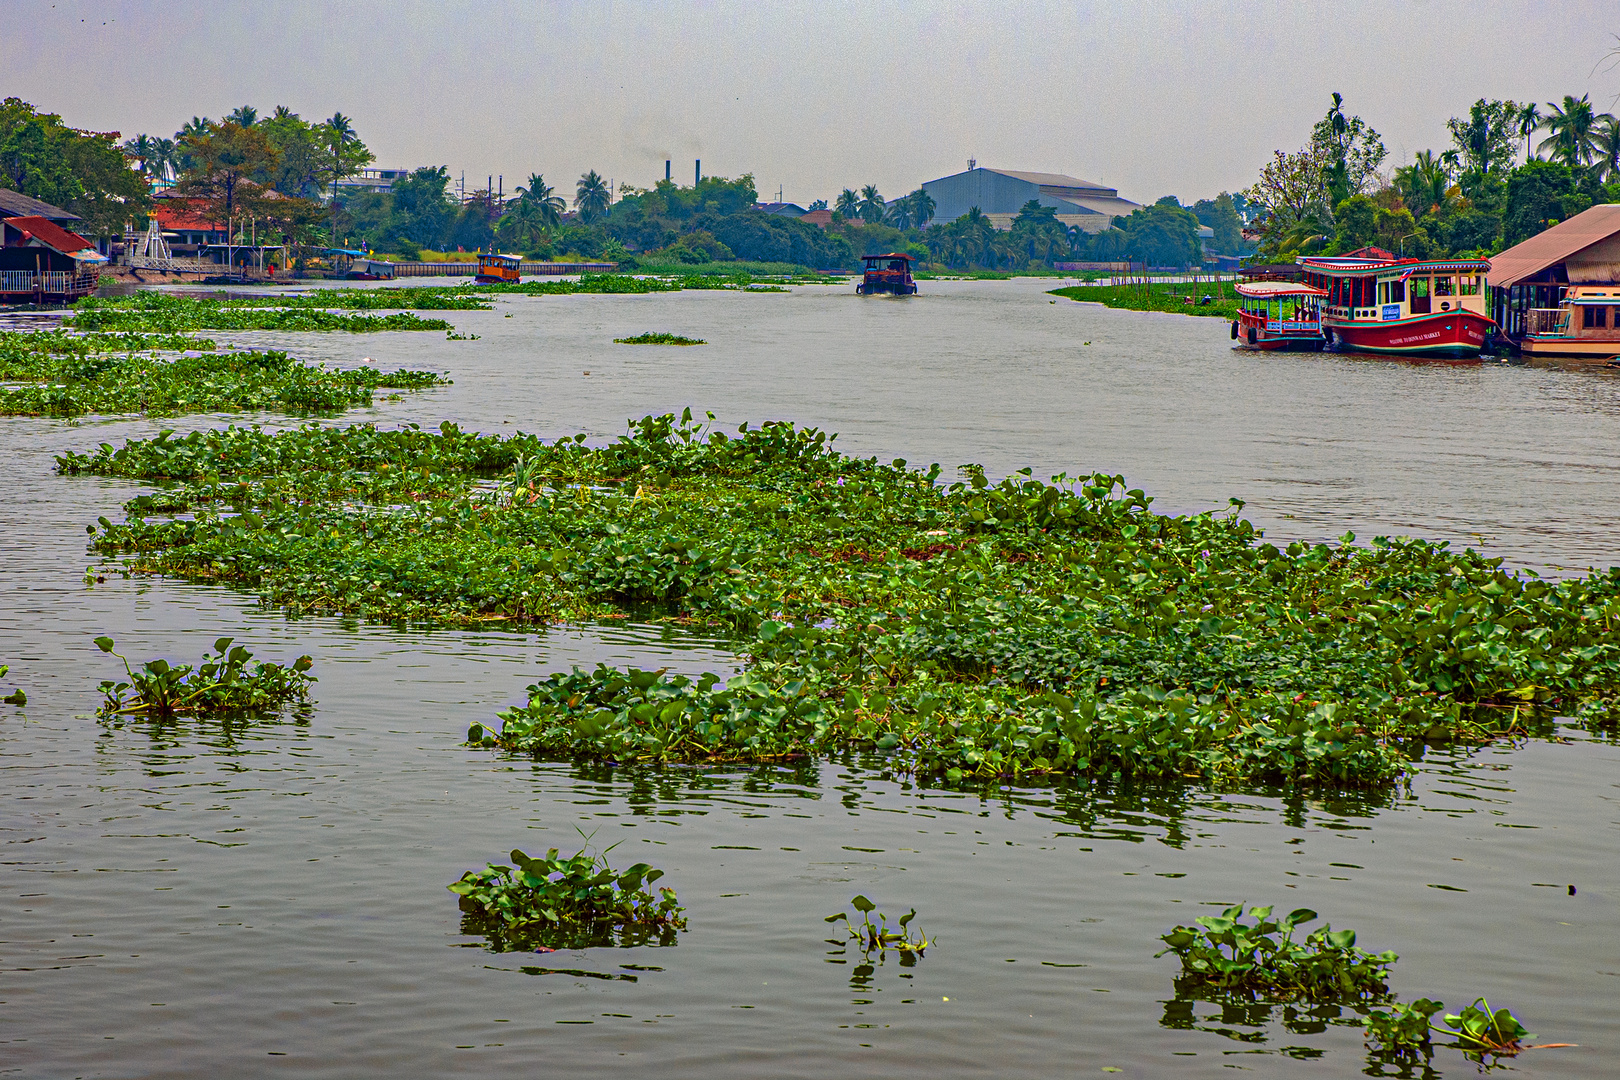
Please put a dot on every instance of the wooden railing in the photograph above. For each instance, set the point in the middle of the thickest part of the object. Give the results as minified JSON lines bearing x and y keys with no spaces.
{"x":1553,"y":321}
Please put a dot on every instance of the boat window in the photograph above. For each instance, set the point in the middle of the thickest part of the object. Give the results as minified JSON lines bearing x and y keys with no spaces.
{"x":1444,"y":286}
{"x":1419,"y":288}
{"x":1594,"y":317}
{"x":1468,"y":286}
{"x":1397,"y":292}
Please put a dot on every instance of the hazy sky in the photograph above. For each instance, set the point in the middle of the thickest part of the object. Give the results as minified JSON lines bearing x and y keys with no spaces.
{"x":1153,"y":98}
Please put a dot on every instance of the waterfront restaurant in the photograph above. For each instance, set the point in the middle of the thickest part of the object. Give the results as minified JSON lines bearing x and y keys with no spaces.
{"x":43,"y":263}
{"x":1558,"y":293}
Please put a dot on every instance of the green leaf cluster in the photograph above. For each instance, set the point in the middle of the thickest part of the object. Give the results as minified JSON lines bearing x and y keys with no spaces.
{"x":1402,"y":1029}
{"x":652,"y":338}
{"x":971,"y":631}
{"x":228,"y":683}
{"x":573,"y":902}
{"x":1263,"y":959}
{"x":879,"y":936}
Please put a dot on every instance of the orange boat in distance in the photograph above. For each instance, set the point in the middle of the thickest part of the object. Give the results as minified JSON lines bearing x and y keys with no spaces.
{"x":494,"y":268}
{"x":1279,"y":316}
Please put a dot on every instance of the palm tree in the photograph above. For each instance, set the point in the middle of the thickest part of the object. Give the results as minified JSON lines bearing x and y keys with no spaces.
{"x":1529,"y":119}
{"x":848,"y":205}
{"x":282,"y":113}
{"x":1606,"y":141}
{"x":977,"y":234}
{"x":165,"y":158}
{"x":141,"y":149}
{"x":524,"y":223}
{"x":1571,"y":140}
{"x":548,"y":206}
{"x":871,"y":206}
{"x":922,"y":207}
{"x":591,"y":197}
{"x":1424,"y":184}
{"x":899,"y":214}
{"x":244,"y":116}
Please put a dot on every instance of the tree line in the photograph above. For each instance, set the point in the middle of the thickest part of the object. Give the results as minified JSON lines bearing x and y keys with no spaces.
{"x":1474,"y":197}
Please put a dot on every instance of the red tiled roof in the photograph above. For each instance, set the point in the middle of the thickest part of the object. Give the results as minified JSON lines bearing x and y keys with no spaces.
{"x":50,"y":234}
{"x":173,"y":213}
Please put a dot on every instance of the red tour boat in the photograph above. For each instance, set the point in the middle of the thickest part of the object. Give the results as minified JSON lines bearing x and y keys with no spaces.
{"x":1279,"y":315}
{"x":1379,"y":303}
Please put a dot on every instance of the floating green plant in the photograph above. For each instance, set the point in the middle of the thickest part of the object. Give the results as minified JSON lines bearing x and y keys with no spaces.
{"x":575,"y":901}
{"x":59,"y":382}
{"x":226,"y":683}
{"x":658,"y":339}
{"x":878,"y":937}
{"x":16,"y":697}
{"x":168,"y":312}
{"x":969,"y":631}
{"x":1180,"y":298}
{"x":1402,"y":1029}
{"x":1478,"y":1028}
{"x":1263,"y":959}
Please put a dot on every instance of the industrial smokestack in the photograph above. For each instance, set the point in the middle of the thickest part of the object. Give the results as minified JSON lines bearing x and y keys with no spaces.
{"x":697,"y":172}
{"x":666,"y":168}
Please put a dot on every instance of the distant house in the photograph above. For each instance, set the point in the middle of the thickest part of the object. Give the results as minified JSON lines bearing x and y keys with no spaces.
{"x":1558,"y":293}
{"x":41,"y":262}
{"x":820,"y":218}
{"x":184,"y":226}
{"x":16,"y":204}
{"x":782,"y":209}
{"x":1001,"y":193}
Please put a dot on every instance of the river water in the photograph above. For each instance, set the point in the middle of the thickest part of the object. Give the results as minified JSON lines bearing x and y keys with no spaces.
{"x":187,"y":900}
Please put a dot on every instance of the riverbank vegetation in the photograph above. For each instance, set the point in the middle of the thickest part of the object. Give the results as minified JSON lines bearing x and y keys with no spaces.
{"x":151,"y":312}
{"x":67,"y":375}
{"x":972,"y":631}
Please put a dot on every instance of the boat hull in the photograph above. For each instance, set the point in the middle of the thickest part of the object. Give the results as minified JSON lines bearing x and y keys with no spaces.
{"x":1569,"y":347}
{"x":1456,"y":335}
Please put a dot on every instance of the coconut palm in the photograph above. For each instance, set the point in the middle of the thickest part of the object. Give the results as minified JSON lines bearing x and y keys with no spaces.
{"x":898,"y":214}
{"x":922,"y":208}
{"x":164,"y":158}
{"x":198,"y":127}
{"x":1529,"y":119}
{"x":1571,"y":140}
{"x":244,"y":116}
{"x":871,"y":206}
{"x":140,"y":149}
{"x":1424,"y":184}
{"x":283,"y":113}
{"x":591,"y":197}
{"x":548,"y":206}
{"x":1606,"y":142}
{"x":524,"y":224}
{"x":848,"y":205}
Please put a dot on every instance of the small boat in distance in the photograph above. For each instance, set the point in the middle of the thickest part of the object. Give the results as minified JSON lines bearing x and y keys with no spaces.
{"x":495,"y":268}
{"x":889,"y":273}
{"x":1379,"y":303}
{"x":1279,"y":316}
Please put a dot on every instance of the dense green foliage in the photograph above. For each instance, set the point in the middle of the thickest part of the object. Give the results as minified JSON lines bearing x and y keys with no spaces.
{"x":972,"y":630}
{"x":1402,"y":1029}
{"x":230,"y":682}
{"x":83,"y":172}
{"x":577,"y":902}
{"x":1262,"y":958}
{"x":1478,"y":1028}
{"x":74,"y":374}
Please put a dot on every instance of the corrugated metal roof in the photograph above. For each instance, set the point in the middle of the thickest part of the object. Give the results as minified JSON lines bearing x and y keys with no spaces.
{"x":51,"y":235}
{"x":1555,"y":245}
{"x":16,"y":204}
{"x":1049,"y":179}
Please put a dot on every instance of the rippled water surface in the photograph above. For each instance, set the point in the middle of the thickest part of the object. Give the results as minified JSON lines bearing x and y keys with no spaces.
{"x":191,"y":900}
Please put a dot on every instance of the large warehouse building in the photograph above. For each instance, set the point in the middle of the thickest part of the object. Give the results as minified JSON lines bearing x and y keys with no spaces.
{"x":1001,"y":193}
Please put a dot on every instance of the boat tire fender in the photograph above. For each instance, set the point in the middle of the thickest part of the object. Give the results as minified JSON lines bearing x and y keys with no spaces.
{"x":1234,"y":329}
{"x":1254,"y":336}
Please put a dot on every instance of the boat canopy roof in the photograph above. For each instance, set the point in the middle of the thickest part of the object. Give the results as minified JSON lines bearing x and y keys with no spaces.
{"x":1355,"y":266}
{"x":1270,"y":290}
{"x":890,"y":255}
{"x":497,"y":256}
